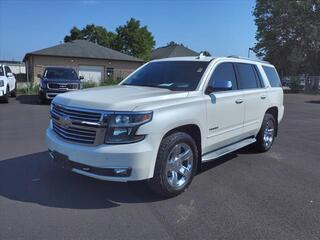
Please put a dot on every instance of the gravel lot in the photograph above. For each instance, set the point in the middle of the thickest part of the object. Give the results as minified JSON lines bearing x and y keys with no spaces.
{"x":275,"y":195}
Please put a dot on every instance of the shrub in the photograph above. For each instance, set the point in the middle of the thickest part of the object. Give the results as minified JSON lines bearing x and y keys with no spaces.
{"x":27,"y":88}
{"x":110,"y":82}
{"x":89,"y":84}
{"x":21,"y":77}
{"x":105,"y":82}
{"x":295,"y":83}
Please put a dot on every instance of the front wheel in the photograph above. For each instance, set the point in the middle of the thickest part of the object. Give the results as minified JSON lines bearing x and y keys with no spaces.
{"x":6,"y":96}
{"x":266,"y":135}
{"x":42,"y":98}
{"x":14,"y":92}
{"x":175,"y":166}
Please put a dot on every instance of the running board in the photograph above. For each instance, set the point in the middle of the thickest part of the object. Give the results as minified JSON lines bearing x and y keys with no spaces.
{"x":228,"y":149}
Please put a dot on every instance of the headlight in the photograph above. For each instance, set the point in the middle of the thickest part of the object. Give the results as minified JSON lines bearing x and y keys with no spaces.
{"x":123,"y":127}
{"x":1,"y":83}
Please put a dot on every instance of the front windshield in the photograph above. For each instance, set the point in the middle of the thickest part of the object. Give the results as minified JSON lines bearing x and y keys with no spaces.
{"x":60,"y":73}
{"x":173,"y":75}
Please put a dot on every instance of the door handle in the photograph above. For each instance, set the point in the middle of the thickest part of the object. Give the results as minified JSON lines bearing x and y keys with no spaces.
{"x":238,"y":101}
{"x":263,"y":97}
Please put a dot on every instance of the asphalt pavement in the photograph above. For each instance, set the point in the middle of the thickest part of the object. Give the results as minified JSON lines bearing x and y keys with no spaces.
{"x":244,"y":195}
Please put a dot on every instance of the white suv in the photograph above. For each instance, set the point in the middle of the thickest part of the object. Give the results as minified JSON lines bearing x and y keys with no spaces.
{"x":7,"y":83}
{"x":165,"y":119}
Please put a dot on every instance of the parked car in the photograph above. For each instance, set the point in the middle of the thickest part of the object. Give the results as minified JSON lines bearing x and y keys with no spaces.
{"x":7,"y":83}
{"x":166,"y":119}
{"x":56,"y":80}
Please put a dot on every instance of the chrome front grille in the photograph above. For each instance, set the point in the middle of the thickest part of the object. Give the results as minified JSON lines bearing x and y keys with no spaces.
{"x":75,"y":114}
{"x":74,"y":134}
{"x":67,"y":86}
{"x":78,"y":125}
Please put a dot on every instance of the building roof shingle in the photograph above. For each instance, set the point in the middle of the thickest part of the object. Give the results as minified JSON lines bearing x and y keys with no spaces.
{"x":172,"y":51}
{"x":83,"y":49}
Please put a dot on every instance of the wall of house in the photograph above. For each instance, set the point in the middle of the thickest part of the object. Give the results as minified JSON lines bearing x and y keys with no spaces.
{"x":37,"y":64}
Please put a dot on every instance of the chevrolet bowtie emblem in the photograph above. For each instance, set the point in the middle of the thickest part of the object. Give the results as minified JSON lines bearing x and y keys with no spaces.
{"x":65,"y":121}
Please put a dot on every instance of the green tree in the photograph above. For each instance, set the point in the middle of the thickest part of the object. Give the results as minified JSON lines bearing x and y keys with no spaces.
{"x":134,"y":40}
{"x":92,"y":33}
{"x":173,"y":43}
{"x":288,"y":35}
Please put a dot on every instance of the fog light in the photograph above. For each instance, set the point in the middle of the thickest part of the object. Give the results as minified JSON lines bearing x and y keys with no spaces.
{"x":121,"y":171}
{"x":121,"y":131}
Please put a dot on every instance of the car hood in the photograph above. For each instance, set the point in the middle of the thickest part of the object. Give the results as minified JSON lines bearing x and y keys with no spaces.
{"x":118,"y":98}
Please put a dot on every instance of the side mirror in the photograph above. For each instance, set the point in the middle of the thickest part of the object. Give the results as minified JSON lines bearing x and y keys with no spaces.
{"x":9,"y":74}
{"x":209,"y":90}
{"x":39,"y":76}
{"x":81,"y":78}
{"x":219,"y":86}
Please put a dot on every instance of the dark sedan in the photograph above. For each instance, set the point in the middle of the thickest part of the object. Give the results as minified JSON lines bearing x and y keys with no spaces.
{"x":57,"y":80}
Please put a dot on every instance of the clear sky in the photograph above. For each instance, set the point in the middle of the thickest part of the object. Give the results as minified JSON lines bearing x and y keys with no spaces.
{"x":221,"y":27}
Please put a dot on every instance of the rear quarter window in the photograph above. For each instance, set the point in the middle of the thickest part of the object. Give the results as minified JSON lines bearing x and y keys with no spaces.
{"x":272,"y":76}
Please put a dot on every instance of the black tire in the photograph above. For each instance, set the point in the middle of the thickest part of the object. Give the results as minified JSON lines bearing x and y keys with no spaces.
{"x":6,"y":96}
{"x":14,"y":92}
{"x":264,"y":143}
{"x":42,"y":99}
{"x":160,"y":183}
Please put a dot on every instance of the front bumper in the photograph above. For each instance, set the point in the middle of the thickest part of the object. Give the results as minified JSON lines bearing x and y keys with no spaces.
{"x":50,"y":94}
{"x":99,"y":161}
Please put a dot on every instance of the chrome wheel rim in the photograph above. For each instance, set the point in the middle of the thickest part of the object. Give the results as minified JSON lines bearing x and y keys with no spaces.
{"x":179,"y":166}
{"x":268,"y":133}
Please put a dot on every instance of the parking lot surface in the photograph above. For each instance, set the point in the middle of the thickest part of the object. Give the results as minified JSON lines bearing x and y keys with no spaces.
{"x":245,"y":195}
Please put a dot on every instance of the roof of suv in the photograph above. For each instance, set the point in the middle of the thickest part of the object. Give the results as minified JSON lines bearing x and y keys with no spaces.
{"x":208,"y":59}
{"x":201,"y":59}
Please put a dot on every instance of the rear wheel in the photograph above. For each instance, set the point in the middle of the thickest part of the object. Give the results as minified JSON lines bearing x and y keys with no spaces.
{"x":175,"y":166}
{"x":266,"y":135}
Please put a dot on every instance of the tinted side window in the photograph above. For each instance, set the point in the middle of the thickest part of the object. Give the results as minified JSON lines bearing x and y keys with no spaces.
{"x":1,"y":71}
{"x":247,"y":76}
{"x":7,"y":69}
{"x":224,"y":72}
{"x":272,"y":76}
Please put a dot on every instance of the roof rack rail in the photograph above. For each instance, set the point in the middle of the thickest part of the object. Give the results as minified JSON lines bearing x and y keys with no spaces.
{"x":257,"y":60}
